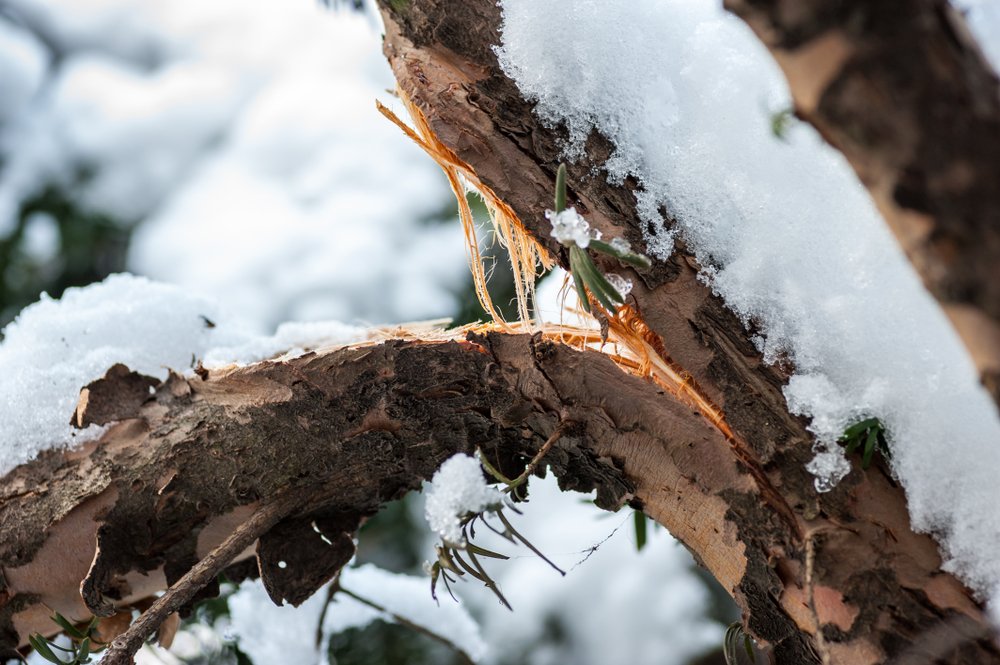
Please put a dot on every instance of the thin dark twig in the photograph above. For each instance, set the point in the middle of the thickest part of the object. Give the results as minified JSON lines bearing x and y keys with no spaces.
{"x":531,"y":547}
{"x":123,"y":648}
{"x":542,"y":452}
{"x":330,"y":591}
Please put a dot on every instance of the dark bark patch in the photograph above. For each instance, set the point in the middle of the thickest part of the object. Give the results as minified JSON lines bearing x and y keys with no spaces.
{"x":118,"y":395}
{"x":300,"y":555}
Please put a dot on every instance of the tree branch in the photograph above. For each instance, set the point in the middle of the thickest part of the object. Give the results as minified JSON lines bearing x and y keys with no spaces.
{"x":905,"y":93}
{"x":123,"y":648}
{"x":873,"y":572}
{"x":352,"y":428}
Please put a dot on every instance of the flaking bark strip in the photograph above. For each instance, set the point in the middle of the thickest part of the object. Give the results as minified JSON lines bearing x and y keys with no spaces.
{"x":118,"y":395}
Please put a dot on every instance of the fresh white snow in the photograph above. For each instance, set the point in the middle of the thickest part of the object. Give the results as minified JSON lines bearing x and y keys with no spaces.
{"x":457,"y":489}
{"x":55,"y":347}
{"x":569,"y":227}
{"x":786,"y":235}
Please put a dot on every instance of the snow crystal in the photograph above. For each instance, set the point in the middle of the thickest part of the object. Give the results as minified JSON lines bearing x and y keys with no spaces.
{"x":458,"y":488}
{"x":621,"y":284}
{"x":787,"y":236}
{"x":569,"y":227}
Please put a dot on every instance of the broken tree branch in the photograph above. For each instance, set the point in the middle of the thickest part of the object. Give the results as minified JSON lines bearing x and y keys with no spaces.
{"x":873,"y":574}
{"x":352,"y":428}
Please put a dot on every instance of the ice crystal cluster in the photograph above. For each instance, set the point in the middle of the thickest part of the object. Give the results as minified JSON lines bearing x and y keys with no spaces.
{"x":569,"y":227}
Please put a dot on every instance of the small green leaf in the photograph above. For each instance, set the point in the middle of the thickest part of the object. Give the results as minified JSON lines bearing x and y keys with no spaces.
{"x":561,"y":188}
{"x":596,"y":283}
{"x":41,"y":646}
{"x":859,"y":428}
{"x":780,"y":122}
{"x":574,"y":266}
{"x":485,"y":552}
{"x":67,"y":626}
{"x":748,"y":645}
{"x":632,"y":258}
{"x":866,"y":459}
{"x":639,"y":520}
{"x":83,"y":656}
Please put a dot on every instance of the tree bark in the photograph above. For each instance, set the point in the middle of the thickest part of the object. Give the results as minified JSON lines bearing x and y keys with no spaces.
{"x":838,"y":576}
{"x":905,"y":93}
{"x":877,"y":586}
{"x":347,"y":431}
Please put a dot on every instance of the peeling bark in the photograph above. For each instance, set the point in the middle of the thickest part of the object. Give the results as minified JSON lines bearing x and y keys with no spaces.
{"x":877,"y":585}
{"x":178,"y":472}
{"x":905,"y":93}
{"x":353,"y":428}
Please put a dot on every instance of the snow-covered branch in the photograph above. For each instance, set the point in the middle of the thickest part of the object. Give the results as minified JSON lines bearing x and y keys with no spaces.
{"x":913,"y":103}
{"x":859,"y":532}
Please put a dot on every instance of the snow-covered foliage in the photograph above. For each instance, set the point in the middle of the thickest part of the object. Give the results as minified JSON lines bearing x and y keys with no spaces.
{"x":245,"y":139}
{"x":785,"y":233}
{"x":615,"y":605}
{"x":457,"y":489}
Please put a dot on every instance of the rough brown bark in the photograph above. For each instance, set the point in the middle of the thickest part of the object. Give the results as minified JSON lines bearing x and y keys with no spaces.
{"x":176,"y":474}
{"x":877,"y":586}
{"x":902,"y":89}
{"x":348,"y":430}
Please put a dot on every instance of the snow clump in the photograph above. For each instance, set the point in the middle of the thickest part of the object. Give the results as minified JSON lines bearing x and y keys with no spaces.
{"x":569,"y":227}
{"x":457,"y":489}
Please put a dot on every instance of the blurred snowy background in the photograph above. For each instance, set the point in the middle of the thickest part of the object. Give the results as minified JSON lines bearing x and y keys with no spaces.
{"x":233,"y":149}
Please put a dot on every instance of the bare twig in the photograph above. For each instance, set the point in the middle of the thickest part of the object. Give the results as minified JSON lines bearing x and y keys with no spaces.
{"x":542,"y":452}
{"x":330,"y":591}
{"x":123,"y":648}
